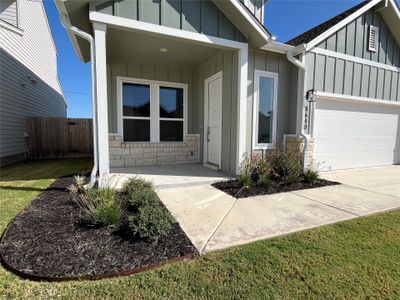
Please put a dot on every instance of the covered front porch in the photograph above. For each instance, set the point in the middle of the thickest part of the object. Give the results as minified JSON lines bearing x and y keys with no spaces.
{"x":168,"y":176}
{"x":171,"y":99}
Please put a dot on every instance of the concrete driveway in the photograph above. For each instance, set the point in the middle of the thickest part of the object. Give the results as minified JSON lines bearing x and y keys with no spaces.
{"x":214,"y":220}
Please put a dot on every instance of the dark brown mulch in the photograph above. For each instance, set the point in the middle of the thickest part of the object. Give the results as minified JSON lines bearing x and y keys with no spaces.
{"x":47,"y":239}
{"x":235,"y":187}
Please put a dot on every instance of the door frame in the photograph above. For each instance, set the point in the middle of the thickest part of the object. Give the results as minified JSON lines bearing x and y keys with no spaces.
{"x":205,"y":132}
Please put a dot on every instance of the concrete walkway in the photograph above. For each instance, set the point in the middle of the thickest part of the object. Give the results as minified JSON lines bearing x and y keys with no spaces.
{"x":214,"y":220}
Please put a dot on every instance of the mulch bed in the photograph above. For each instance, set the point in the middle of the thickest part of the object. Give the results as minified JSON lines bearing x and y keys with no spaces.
{"x":235,"y":187}
{"x":47,"y":241}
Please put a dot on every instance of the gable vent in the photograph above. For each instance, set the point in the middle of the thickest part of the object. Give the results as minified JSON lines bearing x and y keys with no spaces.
{"x":373,"y":38}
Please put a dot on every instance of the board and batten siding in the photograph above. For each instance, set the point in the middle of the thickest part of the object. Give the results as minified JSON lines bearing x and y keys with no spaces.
{"x":201,"y":16}
{"x":29,"y":84}
{"x":375,"y":76}
{"x":353,"y":40}
{"x":256,"y":7}
{"x":287,"y":92}
{"x":8,"y":12}
{"x":225,"y":61}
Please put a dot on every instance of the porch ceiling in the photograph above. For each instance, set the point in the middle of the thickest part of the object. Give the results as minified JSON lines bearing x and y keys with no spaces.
{"x":127,"y":44}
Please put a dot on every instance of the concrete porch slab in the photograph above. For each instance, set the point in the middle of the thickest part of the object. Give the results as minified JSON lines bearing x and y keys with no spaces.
{"x":199,"y":210}
{"x":263,"y":217}
{"x":170,"y":176}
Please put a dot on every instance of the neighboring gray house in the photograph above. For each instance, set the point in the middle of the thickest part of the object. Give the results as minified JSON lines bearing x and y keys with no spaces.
{"x":29,"y":84}
{"x":203,"y":81}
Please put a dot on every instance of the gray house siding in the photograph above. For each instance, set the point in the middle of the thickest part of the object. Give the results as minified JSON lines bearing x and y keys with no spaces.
{"x":194,"y":77}
{"x":341,"y":76}
{"x":256,"y":7}
{"x":225,"y":61}
{"x":21,"y":98}
{"x":200,"y":16}
{"x":287,"y":91}
{"x":352,"y":40}
{"x":8,"y":12}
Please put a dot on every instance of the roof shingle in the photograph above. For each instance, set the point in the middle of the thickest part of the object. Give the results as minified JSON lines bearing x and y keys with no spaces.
{"x":313,"y":33}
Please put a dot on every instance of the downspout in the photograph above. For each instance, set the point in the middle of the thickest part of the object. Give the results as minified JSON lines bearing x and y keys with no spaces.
{"x":302,"y":66}
{"x":67,"y":25}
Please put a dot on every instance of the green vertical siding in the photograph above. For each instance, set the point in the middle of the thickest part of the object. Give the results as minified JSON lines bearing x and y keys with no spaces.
{"x":353,"y":38}
{"x":225,"y":61}
{"x":201,"y":16}
{"x":334,"y":75}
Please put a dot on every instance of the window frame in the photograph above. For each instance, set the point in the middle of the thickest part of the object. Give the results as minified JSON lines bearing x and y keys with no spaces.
{"x":154,"y":107}
{"x":256,"y":104}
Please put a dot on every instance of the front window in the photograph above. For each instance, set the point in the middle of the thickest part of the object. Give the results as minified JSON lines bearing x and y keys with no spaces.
{"x":152,"y":111}
{"x":265,"y":102}
{"x":171,"y":114}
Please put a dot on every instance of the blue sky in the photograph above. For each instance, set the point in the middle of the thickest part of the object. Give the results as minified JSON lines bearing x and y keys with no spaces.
{"x":284,"y":18}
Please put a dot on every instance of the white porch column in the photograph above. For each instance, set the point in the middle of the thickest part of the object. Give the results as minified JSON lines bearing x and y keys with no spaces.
{"x":243,"y":56}
{"x":100,"y":31}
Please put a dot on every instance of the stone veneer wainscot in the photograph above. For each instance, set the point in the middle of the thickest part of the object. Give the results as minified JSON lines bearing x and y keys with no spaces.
{"x":124,"y":154}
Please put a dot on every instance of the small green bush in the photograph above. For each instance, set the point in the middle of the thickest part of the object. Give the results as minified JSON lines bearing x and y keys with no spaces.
{"x":100,"y":207}
{"x":311,"y":176}
{"x":286,"y":165}
{"x":152,"y":222}
{"x":264,"y":180}
{"x":245,"y":180}
{"x":139,"y":192}
{"x":255,"y":166}
{"x":79,"y":186}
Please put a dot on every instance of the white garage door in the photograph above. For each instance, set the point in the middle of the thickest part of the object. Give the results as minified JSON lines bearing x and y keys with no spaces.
{"x":351,"y":135}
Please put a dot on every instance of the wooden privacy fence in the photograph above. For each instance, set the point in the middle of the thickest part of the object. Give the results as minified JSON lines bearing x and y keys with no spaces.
{"x":59,"y":137}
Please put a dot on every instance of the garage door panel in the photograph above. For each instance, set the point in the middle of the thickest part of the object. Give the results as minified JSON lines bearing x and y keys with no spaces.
{"x":344,"y":160}
{"x":350,"y":135}
{"x":361,"y":144}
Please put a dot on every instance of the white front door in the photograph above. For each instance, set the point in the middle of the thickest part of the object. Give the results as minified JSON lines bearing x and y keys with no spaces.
{"x":213,"y":120}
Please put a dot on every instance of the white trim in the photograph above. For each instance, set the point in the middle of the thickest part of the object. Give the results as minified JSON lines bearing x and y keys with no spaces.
{"x":256,"y":104}
{"x":347,"y":98}
{"x":100,"y":31}
{"x":341,"y":24}
{"x":206,"y":102}
{"x":11,"y":28}
{"x":154,"y":106}
{"x":354,"y":59}
{"x":278,"y":47}
{"x":251,"y":18}
{"x":119,"y":22}
{"x":241,"y":130}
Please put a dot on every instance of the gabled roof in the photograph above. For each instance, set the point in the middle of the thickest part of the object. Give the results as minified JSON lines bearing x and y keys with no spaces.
{"x":313,"y":33}
{"x":388,"y":9}
{"x":78,"y":14}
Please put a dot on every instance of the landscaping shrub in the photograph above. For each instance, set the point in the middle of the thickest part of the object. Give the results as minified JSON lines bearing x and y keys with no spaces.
{"x":255,"y":166}
{"x":152,"y":222}
{"x":265,"y":180}
{"x":79,"y":186}
{"x":311,"y":176}
{"x":245,"y":180}
{"x":139,"y":192}
{"x":100,"y":207}
{"x":286,"y":165}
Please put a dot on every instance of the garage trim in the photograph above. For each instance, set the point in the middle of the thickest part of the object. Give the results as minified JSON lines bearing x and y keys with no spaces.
{"x":348,"y":98}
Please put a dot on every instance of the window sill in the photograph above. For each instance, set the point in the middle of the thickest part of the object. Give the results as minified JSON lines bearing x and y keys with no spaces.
{"x":12,"y":28}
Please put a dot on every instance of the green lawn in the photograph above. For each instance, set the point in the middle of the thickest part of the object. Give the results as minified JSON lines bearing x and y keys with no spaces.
{"x":353,"y":259}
